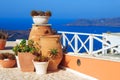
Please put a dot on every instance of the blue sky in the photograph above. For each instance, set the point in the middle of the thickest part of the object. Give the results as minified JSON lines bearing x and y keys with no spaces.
{"x":61,"y":9}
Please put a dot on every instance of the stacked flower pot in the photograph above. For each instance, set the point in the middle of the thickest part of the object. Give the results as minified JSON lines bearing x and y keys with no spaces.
{"x":42,"y":35}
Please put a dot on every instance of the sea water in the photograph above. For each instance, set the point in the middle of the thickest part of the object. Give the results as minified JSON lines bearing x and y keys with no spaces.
{"x":57,"y":24}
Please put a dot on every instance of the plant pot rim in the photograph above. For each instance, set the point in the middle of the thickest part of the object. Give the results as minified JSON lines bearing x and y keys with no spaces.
{"x":41,"y":25}
{"x":37,"y":62}
{"x":24,"y":52}
{"x":41,"y":16}
{"x":7,"y":59}
{"x":3,"y":39}
{"x":47,"y":36}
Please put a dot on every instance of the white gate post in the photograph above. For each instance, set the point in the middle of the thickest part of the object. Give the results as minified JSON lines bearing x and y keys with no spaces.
{"x":76,"y":44}
{"x":104,"y":46}
{"x":64,"y":42}
{"x":91,"y":44}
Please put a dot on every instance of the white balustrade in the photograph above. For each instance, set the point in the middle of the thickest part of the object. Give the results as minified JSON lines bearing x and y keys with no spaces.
{"x":78,"y":43}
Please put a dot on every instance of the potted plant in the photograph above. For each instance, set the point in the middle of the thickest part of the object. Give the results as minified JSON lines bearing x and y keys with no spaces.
{"x":40,"y":17}
{"x":41,"y":62}
{"x":7,"y":60}
{"x":3,"y":38}
{"x":25,"y":55}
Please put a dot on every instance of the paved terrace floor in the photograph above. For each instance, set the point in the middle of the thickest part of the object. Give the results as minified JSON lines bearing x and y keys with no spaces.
{"x":17,"y":74}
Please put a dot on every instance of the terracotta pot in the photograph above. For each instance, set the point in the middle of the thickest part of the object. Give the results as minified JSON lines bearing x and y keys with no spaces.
{"x":1,"y":63}
{"x":2,"y":44}
{"x":25,"y":60}
{"x":39,"y":30}
{"x":50,"y":42}
{"x":7,"y":63}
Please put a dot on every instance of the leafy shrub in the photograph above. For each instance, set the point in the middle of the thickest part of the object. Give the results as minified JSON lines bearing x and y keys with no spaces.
{"x":7,"y":56}
{"x":3,"y":34}
{"x":24,"y":47}
{"x":41,"y":13}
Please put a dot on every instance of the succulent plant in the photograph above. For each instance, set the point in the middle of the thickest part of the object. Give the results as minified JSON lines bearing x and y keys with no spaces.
{"x":34,"y":13}
{"x":7,"y":56}
{"x":3,"y":34}
{"x":1,"y":56}
{"x":41,"y":59}
{"x":53,"y":52}
{"x":24,"y":47}
{"x":48,"y":13}
{"x":41,"y":13}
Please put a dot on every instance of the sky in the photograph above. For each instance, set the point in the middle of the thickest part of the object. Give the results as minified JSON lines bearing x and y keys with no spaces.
{"x":61,"y":9}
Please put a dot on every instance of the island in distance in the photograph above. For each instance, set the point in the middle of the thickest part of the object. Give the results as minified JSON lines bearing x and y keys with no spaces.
{"x":96,"y":22}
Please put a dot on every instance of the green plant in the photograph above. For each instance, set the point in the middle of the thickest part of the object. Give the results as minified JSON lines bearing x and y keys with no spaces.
{"x":24,"y":47}
{"x":38,"y":55}
{"x":53,"y":52}
{"x":48,"y":13}
{"x":1,"y":56}
{"x":7,"y":56}
{"x":41,"y":59}
{"x":3,"y":34}
{"x":34,"y":13}
{"x":41,"y":13}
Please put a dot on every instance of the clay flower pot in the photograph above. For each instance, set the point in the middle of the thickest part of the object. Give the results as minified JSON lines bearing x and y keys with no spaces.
{"x":39,"y":30}
{"x":7,"y":60}
{"x":3,"y":38}
{"x":51,"y":42}
{"x":25,"y":60}
{"x":2,"y":44}
{"x":7,"y":63}
{"x":25,"y":51}
{"x":40,"y":19}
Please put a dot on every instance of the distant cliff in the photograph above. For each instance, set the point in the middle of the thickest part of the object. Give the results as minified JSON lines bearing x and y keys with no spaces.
{"x":96,"y":22}
{"x":18,"y":34}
